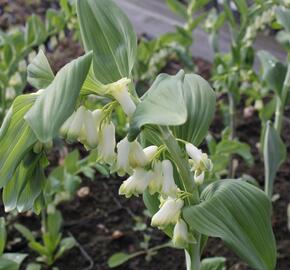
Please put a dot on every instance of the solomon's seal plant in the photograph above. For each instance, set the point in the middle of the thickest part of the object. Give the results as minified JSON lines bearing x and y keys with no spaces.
{"x":160,"y":152}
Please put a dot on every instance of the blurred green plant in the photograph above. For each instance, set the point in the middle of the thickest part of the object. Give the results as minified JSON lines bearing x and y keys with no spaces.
{"x":53,"y":245}
{"x":18,"y":45}
{"x":8,"y":261}
{"x":154,"y":54}
{"x":159,"y":149}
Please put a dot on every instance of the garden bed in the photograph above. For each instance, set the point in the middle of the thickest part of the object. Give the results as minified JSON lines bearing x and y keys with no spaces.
{"x":103,"y":223}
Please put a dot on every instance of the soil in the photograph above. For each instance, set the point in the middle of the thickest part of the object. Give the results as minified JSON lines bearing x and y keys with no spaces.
{"x":104,"y":223}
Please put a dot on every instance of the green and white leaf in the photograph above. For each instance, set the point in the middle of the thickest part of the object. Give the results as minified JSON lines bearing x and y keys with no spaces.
{"x":274,"y":155}
{"x":274,"y":72}
{"x":11,"y":261}
{"x":184,"y":102}
{"x":106,"y":30}
{"x":239,"y":214}
{"x":26,"y":185}
{"x":16,"y":137}
{"x":39,"y":73}
{"x":163,"y":104}
{"x":57,"y":102}
{"x":200,"y":105}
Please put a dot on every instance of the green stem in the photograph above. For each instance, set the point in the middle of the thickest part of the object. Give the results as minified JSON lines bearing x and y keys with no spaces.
{"x":2,"y":104}
{"x":281,"y":101}
{"x":192,"y":256}
{"x":182,"y":165}
{"x":232,"y":125}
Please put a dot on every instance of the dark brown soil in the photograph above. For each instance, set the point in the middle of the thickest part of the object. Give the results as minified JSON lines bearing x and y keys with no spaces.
{"x":103,"y":222}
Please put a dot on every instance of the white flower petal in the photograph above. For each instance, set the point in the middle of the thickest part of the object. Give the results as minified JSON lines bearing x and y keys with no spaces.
{"x":169,"y":187}
{"x":106,"y":147}
{"x":90,"y":130}
{"x":135,"y":184}
{"x":137,"y":156}
{"x":157,"y":179}
{"x":193,"y":152}
{"x":150,"y":152}
{"x":76,"y":124}
{"x":199,"y":177}
{"x":168,"y":214}
{"x":123,"y":150}
{"x":180,"y":234}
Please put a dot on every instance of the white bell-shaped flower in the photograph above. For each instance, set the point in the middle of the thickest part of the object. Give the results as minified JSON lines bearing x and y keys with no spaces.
{"x":107,"y":143}
{"x":156,"y":182}
{"x":76,"y":124}
{"x":193,"y":152}
{"x":65,"y":126}
{"x":98,"y":117}
{"x":180,"y":234}
{"x":200,"y":160}
{"x":119,"y":90}
{"x":137,"y":157}
{"x":90,"y":130}
{"x":123,"y":151}
{"x":199,"y":177}
{"x":135,"y":184}
{"x":169,"y":213}
{"x":150,"y":152}
{"x":169,"y":187}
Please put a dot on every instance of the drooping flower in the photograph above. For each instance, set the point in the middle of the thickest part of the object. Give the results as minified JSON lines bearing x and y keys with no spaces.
{"x":198,"y":177}
{"x":90,"y":130}
{"x":169,"y":213}
{"x":107,"y":143}
{"x":169,"y":187}
{"x":156,"y":182}
{"x":150,"y":152}
{"x":76,"y":124}
{"x":119,"y":90}
{"x":200,"y":160}
{"x":98,"y":117}
{"x":180,"y":234}
{"x":123,"y":151}
{"x":135,"y":184}
{"x":65,"y":126}
{"x":137,"y":157}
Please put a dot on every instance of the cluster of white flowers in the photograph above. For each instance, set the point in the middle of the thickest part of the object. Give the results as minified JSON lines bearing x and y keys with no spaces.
{"x":146,"y":171}
{"x":259,"y":24}
{"x":95,"y":129}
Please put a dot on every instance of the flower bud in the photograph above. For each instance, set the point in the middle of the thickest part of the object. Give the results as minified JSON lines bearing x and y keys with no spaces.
{"x":38,"y":147}
{"x":106,"y":147}
{"x":150,"y":152}
{"x":119,"y":90}
{"x":65,"y":126}
{"x":137,"y":156}
{"x":76,"y":124}
{"x":169,"y":187}
{"x":90,"y":130}
{"x":200,"y":161}
{"x":135,"y":184}
{"x":168,"y":214}
{"x":193,"y":152}
{"x":180,"y":234}
{"x":156,"y":182}
{"x":98,"y":117}
{"x":198,"y":177}
{"x":123,"y":151}
{"x":49,"y":145}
